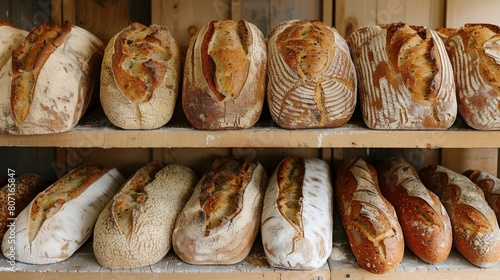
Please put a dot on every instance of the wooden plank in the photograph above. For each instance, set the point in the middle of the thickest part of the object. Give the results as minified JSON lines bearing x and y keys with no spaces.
{"x":197,"y":159}
{"x":22,"y":14}
{"x":236,"y":10}
{"x":460,"y":160}
{"x":327,"y":10}
{"x":459,"y":12}
{"x":5,"y":11}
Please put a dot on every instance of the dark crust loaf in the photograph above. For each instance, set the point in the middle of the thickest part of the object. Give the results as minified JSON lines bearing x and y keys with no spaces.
{"x":425,"y":223}
{"x":372,"y":227}
{"x":476,"y":234}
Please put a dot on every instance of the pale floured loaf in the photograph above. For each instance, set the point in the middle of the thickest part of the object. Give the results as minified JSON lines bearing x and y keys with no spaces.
{"x":311,"y":77}
{"x":51,"y":79}
{"x":10,"y":39}
{"x":405,"y":77}
{"x":297,"y":216}
{"x":140,"y":77}
{"x":225,"y":76}
{"x":474,"y":51}
{"x":221,"y":220}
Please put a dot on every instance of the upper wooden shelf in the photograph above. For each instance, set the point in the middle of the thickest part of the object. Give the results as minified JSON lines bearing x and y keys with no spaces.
{"x":95,"y":130}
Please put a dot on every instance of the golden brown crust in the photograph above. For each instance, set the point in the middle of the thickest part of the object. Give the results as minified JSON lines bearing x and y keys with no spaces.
{"x":290,"y":178}
{"x":489,"y":185}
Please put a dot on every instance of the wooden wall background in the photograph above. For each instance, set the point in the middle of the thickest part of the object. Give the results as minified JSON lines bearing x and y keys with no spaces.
{"x":107,"y":17}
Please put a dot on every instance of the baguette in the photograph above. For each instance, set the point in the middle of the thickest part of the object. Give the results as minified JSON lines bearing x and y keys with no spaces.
{"x":135,"y":228}
{"x":221,"y":220}
{"x":312,"y":80}
{"x":476,"y":234}
{"x":425,"y":223}
{"x":297,"y":217}
{"x":18,"y":194}
{"x":140,"y":77}
{"x":61,"y":218}
{"x":490,"y":185}
{"x":225,"y":76}
{"x":372,"y":227}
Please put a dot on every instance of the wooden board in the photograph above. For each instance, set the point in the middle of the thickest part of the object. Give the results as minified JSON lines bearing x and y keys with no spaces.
{"x":459,"y":160}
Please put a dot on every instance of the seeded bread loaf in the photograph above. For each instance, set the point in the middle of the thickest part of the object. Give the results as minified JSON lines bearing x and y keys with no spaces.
{"x":225,"y":76}
{"x":140,"y":77}
{"x":405,"y":77}
{"x":476,"y":234}
{"x":221,"y":220}
{"x":135,"y":228}
{"x":52,"y":79}
{"x":371,"y":223}
{"x":490,"y":185}
{"x":474,"y":51}
{"x":61,"y":218}
{"x":311,"y":77}
{"x":297,"y":217}
{"x":425,"y":223}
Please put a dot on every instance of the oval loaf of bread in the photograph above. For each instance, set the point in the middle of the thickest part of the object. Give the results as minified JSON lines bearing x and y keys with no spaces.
{"x":140,"y":77}
{"x":476,"y":234}
{"x":135,"y":228}
{"x":297,"y":216}
{"x":18,"y":194}
{"x":61,"y":218}
{"x":405,"y":77}
{"x":221,"y":220}
{"x":370,"y":221}
{"x":311,"y":77}
{"x":490,"y":185}
{"x":474,"y":51}
{"x":225,"y":76}
{"x":423,"y":218}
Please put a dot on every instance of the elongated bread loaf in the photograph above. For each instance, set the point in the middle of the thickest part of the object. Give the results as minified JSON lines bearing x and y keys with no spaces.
{"x":405,"y":77}
{"x":490,"y":185}
{"x":51,"y":79}
{"x":474,"y":51}
{"x":140,"y":77}
{"x":61,"y":218}
{"x":425,"y":223}
{"x":16,"y":195}
{"x":221,"y":220}
{"x":297,"y":217}
{"x":476,"y":234}
{"x":311,"y":77}
{"x":371,"y":223}
{"x":135,"y":228}
{"x":225,"y":76}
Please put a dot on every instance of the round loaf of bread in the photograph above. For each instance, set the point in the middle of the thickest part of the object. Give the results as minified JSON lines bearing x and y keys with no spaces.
{"x":311,"y":77}
{"x":135,"y":228}
{"x":140,"y":77}
{"x":225,"y":75}
{"x":51,"y":79}
{"x":297,"y":216}
{"x":474,"y":51}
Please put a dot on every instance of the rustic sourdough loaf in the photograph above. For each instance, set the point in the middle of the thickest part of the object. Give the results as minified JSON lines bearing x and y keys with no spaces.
{"x":405,"y":77}
{"x":476,"y":234}
{"x":370,"y":221}
{"x":297,"y":216}
{"x":490,"y":185}
{"x":474,"y":51}
{"x":221,"y":220}
{"x":135,"y":228}
{"x":51,"y":78}
{"x":140,"y":77}
{"x":425,"y":223}
{"x":61,"y":218}
{"x":311,"y":77}
{"x":225,"y":75}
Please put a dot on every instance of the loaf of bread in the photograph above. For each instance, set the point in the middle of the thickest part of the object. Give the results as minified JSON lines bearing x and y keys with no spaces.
{"x":425,"y":223}
{"x":61,"y":218}
{"x":490,"y":185}
{"x":474,"y":51}
{"x":297,"y":216}
{"x":225,"y":76}
{"x":221,"y":220}
{"x":405,"y":77}
{"x":140,"y":77}
{"x":135,"y":228}
{"x":371,"y":223}
{"x":311,"y":77}
{"x":476,"y":234}
{"x":16,"y":195}
{"x":10,"y":38}
{"x":49,"y":80}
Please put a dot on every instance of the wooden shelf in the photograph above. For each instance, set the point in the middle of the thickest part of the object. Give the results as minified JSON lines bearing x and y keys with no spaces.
{"x":95,"y":130}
